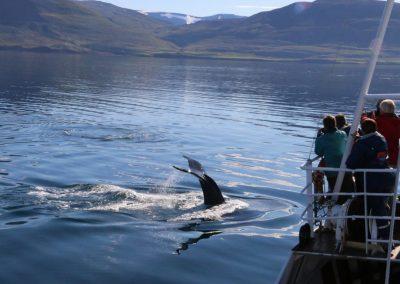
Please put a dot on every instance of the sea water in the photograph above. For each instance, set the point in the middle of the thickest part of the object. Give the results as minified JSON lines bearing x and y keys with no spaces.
{"x":87,"y":143}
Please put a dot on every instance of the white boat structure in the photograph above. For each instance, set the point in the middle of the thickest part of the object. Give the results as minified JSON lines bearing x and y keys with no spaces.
{"x":327,"y":251}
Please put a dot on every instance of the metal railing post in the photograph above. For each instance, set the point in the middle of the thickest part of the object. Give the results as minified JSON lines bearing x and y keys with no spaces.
{"x":310,"y":198}
{"x":312,"y":195}
{"x":366,"y":220}
{"x":392,"y":222}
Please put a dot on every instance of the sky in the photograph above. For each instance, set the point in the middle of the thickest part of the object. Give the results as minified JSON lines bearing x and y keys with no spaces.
{"x":203,"y":7}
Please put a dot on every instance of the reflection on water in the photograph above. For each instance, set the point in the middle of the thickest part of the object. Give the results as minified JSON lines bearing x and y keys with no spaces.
{"x":86,"y":148}
{"x":192,"y":241}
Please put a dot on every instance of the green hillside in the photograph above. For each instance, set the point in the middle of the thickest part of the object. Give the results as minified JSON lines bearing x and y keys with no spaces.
{"x":67,"y":26}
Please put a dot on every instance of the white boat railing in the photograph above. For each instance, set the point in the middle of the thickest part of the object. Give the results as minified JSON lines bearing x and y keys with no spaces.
{"x":364,"y":95}
{"x":310,"y":217}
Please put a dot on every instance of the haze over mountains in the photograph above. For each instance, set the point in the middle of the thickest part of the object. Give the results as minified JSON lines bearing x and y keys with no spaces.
{"x":302,"y":31}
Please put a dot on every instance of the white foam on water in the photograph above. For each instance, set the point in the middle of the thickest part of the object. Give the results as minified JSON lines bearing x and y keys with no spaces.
{"x":156,"y":206}
{"x":214,"y":213}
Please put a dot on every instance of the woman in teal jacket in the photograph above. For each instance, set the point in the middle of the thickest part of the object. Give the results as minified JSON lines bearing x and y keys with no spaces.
{"x":331,"y":146}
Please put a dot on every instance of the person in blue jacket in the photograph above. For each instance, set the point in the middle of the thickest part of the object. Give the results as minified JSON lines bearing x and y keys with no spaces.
{"x":331,"y":146}
{"x":371,"y":152}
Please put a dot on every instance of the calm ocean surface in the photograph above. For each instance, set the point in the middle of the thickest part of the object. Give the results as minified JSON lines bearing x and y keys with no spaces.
{"x":87,"y":191}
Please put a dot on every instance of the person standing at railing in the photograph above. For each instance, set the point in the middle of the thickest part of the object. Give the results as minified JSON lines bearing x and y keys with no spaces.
{"x":370,"y":152}
{"x":330,"y":146}
{"x":388,"y":124}
{"x":342,"y":124}
{"x":375,"y":113}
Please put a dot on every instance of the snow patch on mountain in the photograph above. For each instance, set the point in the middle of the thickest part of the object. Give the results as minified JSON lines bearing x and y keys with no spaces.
{"x":186,"y":18}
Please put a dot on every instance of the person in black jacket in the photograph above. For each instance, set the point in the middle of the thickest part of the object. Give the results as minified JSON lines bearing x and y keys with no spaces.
{"x":375,"y":113}
{"x":371,"y":152}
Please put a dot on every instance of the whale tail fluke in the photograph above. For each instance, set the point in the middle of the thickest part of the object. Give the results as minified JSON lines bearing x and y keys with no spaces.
{"x":211,"y":192}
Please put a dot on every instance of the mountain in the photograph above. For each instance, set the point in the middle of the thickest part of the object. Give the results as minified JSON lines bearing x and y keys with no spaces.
{"x":301,"y":30}
{"x":176,"y":19}
{"x":69,"y":26}
{"x":324,"y":30}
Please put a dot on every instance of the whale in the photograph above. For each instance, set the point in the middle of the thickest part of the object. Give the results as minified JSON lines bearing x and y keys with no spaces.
{"x":211,"y":192}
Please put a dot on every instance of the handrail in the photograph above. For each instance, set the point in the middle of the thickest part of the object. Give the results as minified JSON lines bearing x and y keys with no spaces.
{"x":312,"y":217}
{"x":306,"y":187}
{"x":308,"y":165}
{"x":353,"y":170}
{"x":394,"y":97}
{"x":353,"y":217}
{"x":309,"y":162}
{"x":352,"y":194}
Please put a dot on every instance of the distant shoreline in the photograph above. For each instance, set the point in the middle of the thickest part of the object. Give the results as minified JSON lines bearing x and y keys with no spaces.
{"x":225,"y":57}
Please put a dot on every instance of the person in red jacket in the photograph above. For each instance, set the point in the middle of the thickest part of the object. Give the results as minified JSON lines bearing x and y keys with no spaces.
{"x":389,"y":126}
